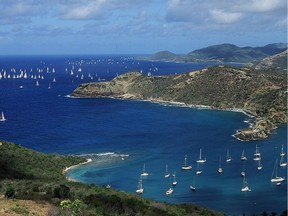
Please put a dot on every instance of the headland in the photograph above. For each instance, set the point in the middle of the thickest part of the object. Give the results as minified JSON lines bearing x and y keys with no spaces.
{"x":262,"y":94}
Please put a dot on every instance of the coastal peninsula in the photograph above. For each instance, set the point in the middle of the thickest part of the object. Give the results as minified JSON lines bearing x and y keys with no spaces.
{"x":262,"y":94}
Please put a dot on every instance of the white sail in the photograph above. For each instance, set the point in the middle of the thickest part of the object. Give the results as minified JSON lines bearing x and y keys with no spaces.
{"x":2,"y":117}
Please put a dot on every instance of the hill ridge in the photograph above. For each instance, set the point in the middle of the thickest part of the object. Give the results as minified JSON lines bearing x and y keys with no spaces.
{"x":225,"y":52}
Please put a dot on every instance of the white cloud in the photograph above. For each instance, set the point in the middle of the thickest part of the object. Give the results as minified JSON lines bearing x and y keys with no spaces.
{"x":261,"y":6}
{"x":83,"y":10}
{"x":227,"y":13}
{"x":220,"y":16}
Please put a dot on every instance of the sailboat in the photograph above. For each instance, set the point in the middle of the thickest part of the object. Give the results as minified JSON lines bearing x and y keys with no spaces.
{"x":144,"y":173}
{"x":257,"y":154}
{"x":275,"y":178}
{"x":37,"y":83}
{"x":200,"y":160}
{"x":243,"y":157}
{"x":199,"y":171}
{"x":174,"y":183}
{"x":192,"y":187}
{"x":2,"y":117}
{"x":108,"y":186}
{"x":282,"y":163}
{"x":169,"y":191}
{"x":243,"y":172}
{"x":245,"y":187}
{"x":140,"y":189}
{"x":167,"y":175}
{"x":220,"y":170}
{"x":282,"y":154}
{"x":228,"y":158}
{"x":259,"y":167}
{"x":186,"y":167}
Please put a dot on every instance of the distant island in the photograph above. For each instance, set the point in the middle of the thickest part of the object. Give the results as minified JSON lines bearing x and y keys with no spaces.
{"x":222,"y":53}
{"x":260,"y":93}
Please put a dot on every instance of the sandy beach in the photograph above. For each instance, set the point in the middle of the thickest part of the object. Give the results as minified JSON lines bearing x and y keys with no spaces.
{"x":89,"y":160}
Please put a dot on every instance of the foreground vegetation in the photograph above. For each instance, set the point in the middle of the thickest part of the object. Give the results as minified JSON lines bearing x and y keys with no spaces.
{"x":29,"y":175}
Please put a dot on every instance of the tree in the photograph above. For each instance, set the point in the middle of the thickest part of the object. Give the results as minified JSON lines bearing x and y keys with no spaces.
{"x":71,"y":208}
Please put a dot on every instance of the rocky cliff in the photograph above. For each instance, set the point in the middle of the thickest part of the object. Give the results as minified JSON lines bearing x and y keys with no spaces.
{"x":263,"y":95}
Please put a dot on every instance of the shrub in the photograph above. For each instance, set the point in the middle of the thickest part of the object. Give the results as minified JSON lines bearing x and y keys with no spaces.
{"x":10,"y":192}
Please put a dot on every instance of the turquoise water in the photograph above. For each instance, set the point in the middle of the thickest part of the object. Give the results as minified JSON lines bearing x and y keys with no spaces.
{"x":121,"y":135}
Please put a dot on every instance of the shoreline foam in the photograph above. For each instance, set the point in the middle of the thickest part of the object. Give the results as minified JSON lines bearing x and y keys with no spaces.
{"x":89,"y":160}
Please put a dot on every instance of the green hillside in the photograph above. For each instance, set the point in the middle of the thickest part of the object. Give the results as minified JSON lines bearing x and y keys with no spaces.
{"x":262,"y":94}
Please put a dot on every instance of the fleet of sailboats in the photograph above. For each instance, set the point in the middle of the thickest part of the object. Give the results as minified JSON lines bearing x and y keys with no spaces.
{"x":245,"y":188}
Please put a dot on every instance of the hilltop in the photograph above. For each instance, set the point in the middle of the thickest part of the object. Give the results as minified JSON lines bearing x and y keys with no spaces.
{"x":263,"y":95}
{"x":274,"y":62}
{"x":30,"y":175}
{"x":220,"y":53}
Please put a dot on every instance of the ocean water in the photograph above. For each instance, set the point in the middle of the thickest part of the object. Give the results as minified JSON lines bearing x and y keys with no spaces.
{"x":120,"y":136}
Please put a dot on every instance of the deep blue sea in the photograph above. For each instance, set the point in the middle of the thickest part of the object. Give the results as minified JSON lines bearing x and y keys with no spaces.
{"x":123,"y":135}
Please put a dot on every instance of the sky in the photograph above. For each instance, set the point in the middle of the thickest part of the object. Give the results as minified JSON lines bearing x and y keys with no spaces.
{"x":137,"y":26}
